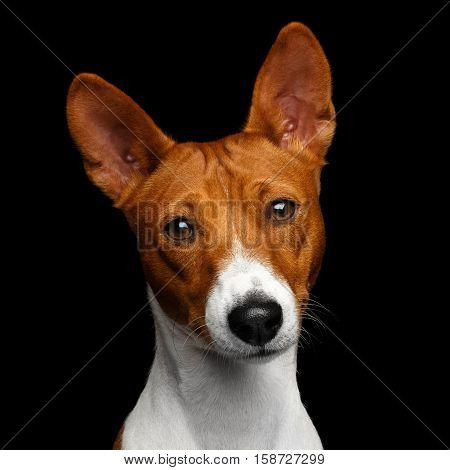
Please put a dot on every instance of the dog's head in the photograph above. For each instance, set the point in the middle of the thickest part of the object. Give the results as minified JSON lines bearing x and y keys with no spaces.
{"x":231,"y":232}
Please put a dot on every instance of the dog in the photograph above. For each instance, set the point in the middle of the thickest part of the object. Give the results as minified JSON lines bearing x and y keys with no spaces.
{"x":227,"y":286}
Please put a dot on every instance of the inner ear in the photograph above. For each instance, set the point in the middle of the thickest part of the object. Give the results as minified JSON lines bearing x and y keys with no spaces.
{"x":297,"y":119}
{"x":292,"y":95}
{"x":118,"y":140}
{"x":126,"y":152}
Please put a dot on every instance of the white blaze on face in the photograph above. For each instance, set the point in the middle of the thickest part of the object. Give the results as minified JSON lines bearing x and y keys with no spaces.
{"x":241,"y":278}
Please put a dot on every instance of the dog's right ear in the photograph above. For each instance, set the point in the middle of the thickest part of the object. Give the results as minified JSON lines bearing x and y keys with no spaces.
{"x":118,"y":140}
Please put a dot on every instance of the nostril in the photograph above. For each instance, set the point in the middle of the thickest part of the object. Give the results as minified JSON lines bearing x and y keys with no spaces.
{"x":256,"y":321}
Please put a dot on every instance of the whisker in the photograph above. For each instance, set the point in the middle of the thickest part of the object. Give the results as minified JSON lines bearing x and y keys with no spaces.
{"x":191,"y":333}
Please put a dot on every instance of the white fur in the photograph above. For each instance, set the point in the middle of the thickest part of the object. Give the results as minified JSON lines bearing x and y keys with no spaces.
{"x":244,"y":276}
{"x":201,"y":396}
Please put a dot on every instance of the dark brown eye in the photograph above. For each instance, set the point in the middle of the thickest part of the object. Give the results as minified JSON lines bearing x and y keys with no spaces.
{"x":282,"y":210}
{"x":179,"y":229}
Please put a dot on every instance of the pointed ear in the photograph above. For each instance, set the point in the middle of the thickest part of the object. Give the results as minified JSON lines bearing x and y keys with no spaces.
{"x":118,"y":140}
{"x":291,"y":102}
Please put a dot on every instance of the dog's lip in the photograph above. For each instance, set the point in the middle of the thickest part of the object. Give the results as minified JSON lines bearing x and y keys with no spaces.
{"x":259,"y":354}
{"x":264,"y":353}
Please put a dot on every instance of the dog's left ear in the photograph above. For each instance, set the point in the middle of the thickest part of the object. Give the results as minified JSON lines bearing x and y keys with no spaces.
{"x":291,"y":102}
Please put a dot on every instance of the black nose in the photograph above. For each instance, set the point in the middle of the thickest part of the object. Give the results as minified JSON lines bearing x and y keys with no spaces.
{"x":256,"y":322}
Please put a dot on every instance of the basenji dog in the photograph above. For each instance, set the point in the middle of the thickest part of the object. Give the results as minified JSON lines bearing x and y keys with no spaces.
{"x":233,"y":242}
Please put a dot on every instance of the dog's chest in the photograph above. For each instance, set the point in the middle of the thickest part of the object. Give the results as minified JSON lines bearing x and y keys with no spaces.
{"x":161,"y":431}
{"x":220,"y":412}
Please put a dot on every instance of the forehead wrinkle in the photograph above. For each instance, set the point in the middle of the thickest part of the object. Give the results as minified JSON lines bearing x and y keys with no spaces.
{"x":194,"y":163}
{"x":219,"y":175}
{"x":226,"y":179}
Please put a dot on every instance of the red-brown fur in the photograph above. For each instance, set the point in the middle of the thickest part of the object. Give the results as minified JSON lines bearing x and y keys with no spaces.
{"x":279,"y":153}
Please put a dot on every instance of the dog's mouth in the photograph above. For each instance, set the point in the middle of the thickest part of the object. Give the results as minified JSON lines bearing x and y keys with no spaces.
{"x":264,"y":353}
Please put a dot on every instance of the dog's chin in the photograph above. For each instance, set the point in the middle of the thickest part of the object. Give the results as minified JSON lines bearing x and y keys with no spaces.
{"x":255,"y":355}
{"x":261,"y":357}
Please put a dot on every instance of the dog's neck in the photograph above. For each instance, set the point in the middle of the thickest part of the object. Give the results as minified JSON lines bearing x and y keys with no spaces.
{"x":193,"y":396}
{"x":201,"y":375}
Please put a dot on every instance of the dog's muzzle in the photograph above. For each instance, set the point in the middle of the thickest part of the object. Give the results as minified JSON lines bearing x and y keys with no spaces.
{"x":251,"y":310}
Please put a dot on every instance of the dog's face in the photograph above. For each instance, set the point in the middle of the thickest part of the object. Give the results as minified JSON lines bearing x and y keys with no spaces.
{"x":231,"y":232}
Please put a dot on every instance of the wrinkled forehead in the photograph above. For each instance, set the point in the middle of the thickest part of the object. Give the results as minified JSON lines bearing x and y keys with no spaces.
{"x":239,"y":167}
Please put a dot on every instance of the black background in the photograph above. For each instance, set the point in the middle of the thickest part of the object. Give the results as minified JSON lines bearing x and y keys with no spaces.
{"x":71,"y":272}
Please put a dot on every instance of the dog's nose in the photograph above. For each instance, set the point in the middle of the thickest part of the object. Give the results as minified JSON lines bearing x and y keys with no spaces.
{"x":256,"y":322}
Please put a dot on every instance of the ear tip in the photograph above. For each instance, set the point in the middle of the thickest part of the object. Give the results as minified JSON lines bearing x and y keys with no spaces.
{"x":297,"y":29}
{"x":295,"y":25}
{"x":79,"y":84}
{"x":83,"y":81}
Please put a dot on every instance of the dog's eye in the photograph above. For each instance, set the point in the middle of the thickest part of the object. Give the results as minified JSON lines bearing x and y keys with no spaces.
{"x":282,"y":210}
{"x":179,"y":229}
